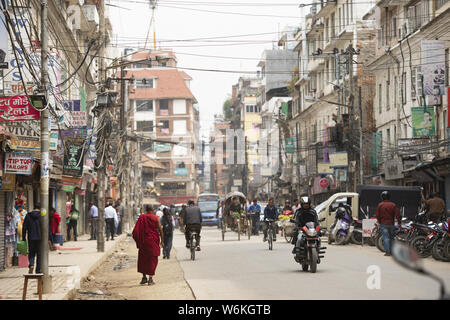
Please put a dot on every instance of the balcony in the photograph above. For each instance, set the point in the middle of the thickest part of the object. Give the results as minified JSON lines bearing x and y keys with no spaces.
{"x":325,"y":8}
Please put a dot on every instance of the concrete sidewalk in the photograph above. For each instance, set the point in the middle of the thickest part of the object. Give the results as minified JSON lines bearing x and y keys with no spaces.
{"x":68,"y":266}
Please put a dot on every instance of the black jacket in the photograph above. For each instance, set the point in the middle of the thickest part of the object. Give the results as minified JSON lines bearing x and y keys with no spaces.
{"x":193,"y":215}
{"x":32,"y":226}
{"x":303,"y":216}
{"x":167,"y":225}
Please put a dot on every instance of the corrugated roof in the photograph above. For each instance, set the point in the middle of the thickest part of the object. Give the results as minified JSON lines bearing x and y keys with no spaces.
{"x":150,"y":163}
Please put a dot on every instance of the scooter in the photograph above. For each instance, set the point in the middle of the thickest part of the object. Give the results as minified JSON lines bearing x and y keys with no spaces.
{"x":342,"y":230}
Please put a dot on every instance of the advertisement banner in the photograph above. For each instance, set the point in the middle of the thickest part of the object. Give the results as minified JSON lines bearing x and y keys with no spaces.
{"x":423,"y":122}
{"x":338,"y":159}
{"x":18,"y":163}
{"x":8,"y":182}
{"x":324,"y":168}
{"x":17,"y":108}
{"x":290,"y":147}
{"x":77,"y":118}
{"x":53,"y":146}
{"x":367,"y":226}
{"x":162,"y":147}
{"x":341,"y":175}
{"x":4,"y":40}
{"x":393,"y":169}
{"x":73,"y":157}
{"x":180,"y":171}
{"x":433,"y":67}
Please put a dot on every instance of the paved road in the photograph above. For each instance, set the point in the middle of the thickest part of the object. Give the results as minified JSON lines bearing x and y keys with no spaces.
{"x":246,"y":269}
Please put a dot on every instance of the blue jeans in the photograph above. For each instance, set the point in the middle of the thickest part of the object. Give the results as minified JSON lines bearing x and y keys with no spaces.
{"x":388,"y":236}
{"x":167,"y":244}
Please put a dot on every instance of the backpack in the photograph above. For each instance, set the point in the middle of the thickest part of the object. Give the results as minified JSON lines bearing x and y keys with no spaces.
{"x":74,"y":215}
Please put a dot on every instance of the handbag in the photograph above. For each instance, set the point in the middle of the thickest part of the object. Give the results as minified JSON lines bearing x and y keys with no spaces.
{"x":74,"y":215}
{"x":22,"y":247}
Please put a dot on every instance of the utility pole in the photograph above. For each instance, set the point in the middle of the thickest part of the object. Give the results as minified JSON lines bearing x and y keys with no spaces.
{"x":122,"y":128}
{"x":361,"y":164}
{"x":45,"y":172}
{"x":101,"y":173}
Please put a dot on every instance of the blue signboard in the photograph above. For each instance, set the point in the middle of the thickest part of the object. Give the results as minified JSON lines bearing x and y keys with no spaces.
{"x":180,"y":171}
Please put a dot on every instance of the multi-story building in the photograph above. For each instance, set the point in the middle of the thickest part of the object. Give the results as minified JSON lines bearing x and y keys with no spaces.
{"x":323,"y":91}
{"x":411,"y":62}
{"x":165,"y":109}
{"x":219,"y":182}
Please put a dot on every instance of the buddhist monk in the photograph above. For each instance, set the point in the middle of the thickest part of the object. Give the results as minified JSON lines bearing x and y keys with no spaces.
{"x":149,"y":242}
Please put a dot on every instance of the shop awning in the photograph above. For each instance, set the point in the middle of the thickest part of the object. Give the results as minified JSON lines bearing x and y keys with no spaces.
{"x":152,"y":164}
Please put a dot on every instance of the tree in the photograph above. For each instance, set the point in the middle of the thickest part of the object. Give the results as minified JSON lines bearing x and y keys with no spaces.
{"x":227,"y":109}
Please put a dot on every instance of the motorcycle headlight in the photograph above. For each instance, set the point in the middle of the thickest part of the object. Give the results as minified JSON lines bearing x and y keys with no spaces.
{"x":311,"y":232}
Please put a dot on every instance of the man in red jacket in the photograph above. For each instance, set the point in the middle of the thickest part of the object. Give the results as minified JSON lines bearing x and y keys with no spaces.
{"x":387,"y":212}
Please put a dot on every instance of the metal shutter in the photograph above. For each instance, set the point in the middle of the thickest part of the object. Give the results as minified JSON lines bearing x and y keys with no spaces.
{"x":2,"y":229}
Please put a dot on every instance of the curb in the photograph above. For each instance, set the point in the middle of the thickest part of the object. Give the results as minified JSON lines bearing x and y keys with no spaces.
{"x":71,"y":293}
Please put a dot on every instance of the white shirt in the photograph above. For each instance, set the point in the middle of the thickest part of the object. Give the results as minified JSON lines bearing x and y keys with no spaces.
{"x":159,"y":213}
{"x":220,"y":212}
{"x":110,"y":212}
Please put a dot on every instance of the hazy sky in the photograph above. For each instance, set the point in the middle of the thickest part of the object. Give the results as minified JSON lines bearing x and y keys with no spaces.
{"x":210,"y":88}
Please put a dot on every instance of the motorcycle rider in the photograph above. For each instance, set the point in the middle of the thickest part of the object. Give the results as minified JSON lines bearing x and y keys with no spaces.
{"x":303,"y":215}
{"x":287,"y":206}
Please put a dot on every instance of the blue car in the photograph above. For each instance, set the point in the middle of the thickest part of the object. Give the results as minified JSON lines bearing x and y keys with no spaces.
{"x":208,"y":210}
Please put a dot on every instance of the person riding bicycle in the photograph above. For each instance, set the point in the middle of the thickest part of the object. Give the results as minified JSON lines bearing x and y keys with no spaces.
{"x":235,"y":207}
{"x":270,"y":213}
{"x":303,"y":215}
{"x":193,"y":223}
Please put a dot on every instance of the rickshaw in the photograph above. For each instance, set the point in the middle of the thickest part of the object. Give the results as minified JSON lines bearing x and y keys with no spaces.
{"x":239,"y":222}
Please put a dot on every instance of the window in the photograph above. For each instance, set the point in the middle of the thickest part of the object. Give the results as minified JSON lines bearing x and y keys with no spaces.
{"x":144,"y":126}
{"x":388,"y":137}
{"x":179,"y":126}
{"x":387,"y":96}
{"x":380,"y":100}
{"x":393,"y":27}
{"x":348,"y":13}
{"x":333,"y":24}
{"x":164,"y":107}
{"x":447,"y":70}
{"x":144,"y":83}
{"x":340,"y":19}
{"x":165,"y":129}
{"x":144,"y":105}
{"x":179,"y":106}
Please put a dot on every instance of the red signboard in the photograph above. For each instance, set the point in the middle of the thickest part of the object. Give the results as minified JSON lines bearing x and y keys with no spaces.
{"x":323,"y":183}
{"x":17,"y":108}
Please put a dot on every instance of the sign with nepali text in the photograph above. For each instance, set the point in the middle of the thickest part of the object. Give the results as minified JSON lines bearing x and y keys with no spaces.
{"x":17,"y":108}
{"x":77,"y":118}
{"x":73,"y":157}
{"x":19,"y":163}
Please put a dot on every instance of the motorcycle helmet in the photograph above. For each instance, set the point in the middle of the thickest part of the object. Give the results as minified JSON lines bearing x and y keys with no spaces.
{"x":305,"y":200}
{"x":340,"y":212}
{"x":385,"y":195}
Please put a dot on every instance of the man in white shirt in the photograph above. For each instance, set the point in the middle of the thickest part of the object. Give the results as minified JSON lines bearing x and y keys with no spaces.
{"x":110,"y":212}
{"x":159,"y":213}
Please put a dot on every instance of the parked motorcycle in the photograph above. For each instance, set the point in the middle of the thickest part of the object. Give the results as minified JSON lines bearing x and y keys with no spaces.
{"x":438,"y":250}
{"x":356,"y":236}
{"x":308,"y":250}
{"x":341,"y":231}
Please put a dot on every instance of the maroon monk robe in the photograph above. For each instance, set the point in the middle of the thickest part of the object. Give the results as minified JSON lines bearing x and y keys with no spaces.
{"x":146,"y":235}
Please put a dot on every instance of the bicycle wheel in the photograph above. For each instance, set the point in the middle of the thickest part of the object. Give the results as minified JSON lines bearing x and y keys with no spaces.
{"x":192,"y":247}
{"x":223,"y":229}
{"x":239,"y":229}
{"x":288,"y":238}
{"x":270,"y":238}
{"x":249,"y":228}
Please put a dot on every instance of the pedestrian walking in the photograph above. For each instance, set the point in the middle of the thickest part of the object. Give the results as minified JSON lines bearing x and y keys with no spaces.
{"x":93,"y":215}
{"x":255,"y":210}
{"x":55,"y":229}
{"x":436,"y":207}
{"x":167,"y":227}
{"x":72,"y":222}
{"x":116,"y":220}
{"x":31,"y":231}
{"x":386,"y":214}
{"x":219,"y":214}
{"x":110,"y":212}
{"x":121,"y":216}
{"x":159,"y":212}
{"x":148,"y":241}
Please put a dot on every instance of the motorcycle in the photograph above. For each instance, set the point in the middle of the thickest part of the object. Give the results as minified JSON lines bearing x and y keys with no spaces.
{"x":342,"y":229}
{"x":356,"y":236}
{"x":308,"y":250}
{"x":438,"y":251}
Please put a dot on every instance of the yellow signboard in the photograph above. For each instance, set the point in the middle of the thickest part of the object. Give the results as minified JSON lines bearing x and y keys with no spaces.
{"x":338,"y":159}
{"x":324,"y":168}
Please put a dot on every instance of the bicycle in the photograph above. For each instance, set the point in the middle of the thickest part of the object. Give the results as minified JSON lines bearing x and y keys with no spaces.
{"x":193,"y":244}
{"x":270,"y":232}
